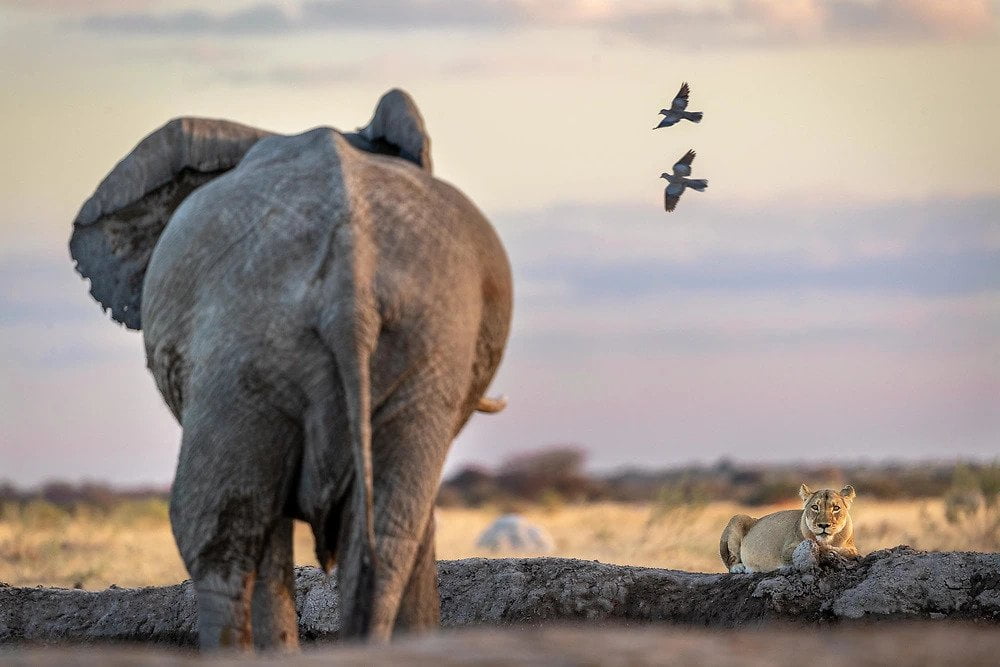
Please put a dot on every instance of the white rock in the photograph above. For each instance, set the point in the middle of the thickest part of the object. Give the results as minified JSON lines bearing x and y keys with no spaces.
{"x":513,"y":534}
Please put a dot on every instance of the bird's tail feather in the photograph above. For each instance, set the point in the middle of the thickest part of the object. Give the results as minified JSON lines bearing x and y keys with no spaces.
{"x":698,"y":184}
{"x":693,"y":116}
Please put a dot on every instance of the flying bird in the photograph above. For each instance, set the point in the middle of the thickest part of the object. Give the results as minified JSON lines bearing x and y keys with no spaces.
{"x":678,"y":181}
{"x":676,"y":112}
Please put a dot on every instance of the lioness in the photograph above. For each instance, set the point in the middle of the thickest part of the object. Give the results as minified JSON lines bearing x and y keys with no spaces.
{"x":767,"y":543}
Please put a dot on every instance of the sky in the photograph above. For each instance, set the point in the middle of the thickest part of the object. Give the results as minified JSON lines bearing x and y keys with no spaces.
{"x":835,"y":293}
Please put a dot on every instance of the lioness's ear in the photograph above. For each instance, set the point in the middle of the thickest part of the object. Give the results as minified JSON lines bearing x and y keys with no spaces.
{"x":848,"y":493}
{"x":805,"y":493}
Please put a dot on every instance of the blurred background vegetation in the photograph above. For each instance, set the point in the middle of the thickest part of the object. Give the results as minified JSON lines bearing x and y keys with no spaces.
{"x":558,"y":475}
{"x":560,"y":471}
{"x":90,"y":535}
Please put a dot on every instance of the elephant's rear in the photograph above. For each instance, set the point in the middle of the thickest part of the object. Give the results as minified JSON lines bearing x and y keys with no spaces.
{"x":440,"y":269}
{"x":495,"y":294}
{"x":428,"y":300}
{"x":322,"y":320}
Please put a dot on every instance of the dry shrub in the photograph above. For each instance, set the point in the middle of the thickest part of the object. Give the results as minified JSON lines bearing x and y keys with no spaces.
{"x":972,"y":505}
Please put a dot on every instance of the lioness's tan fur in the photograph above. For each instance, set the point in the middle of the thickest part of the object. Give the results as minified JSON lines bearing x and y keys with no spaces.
{"x":767,"y":543}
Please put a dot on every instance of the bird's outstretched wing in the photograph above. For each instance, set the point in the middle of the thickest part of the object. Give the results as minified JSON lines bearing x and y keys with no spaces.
{"x":681,"y":100}
{"x":672,"y":195}
{"x":683,"y":166}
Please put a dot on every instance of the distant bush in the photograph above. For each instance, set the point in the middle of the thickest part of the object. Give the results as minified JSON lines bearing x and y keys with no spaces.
{"x":557,"y":476}
{"x":473,"y":486}
{"x":536,"y":474}
{"x":559,"y":472}
{"x":972,"y":504}
{"x":66,"y":499}
{"x":550,"y":476}
{"x":677,"y":503}
{"x":771,"y":492}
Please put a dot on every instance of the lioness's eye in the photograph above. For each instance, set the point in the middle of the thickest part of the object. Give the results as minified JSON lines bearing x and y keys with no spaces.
{"x":815,"y":507}
{"x":836,"y":508}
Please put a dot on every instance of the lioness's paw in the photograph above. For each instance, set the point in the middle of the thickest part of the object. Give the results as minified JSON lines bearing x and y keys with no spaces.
{"x":806,"y":555}
{"x":830,"y":557}
{"x":836,"y":559}
{"x":739,"y":568}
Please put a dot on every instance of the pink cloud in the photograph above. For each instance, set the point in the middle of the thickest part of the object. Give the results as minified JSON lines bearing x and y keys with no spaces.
{"x":710,"y":21}
{"x":77,"y":7}
{"x":819,"y":18}
{"x":802,"y":18}
{"x":947,"y":17}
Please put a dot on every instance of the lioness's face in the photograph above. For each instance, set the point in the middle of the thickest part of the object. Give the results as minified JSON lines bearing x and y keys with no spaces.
{"x":826,"y":511}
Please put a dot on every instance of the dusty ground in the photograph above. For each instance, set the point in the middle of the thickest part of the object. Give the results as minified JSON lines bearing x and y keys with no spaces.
{"x":133,"y":546}
{"x":924,"y":644}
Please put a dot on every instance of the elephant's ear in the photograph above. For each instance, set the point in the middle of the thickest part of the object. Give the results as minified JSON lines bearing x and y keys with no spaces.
{"x":116,"y":230}
{"x":397,"y":128}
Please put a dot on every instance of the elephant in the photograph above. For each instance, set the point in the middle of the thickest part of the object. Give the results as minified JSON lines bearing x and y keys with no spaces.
{"x":322,"y":316}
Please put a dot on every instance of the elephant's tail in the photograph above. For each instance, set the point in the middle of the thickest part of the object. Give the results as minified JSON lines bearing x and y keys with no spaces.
{"x":349,"y":328}
{"x":352,"y":350}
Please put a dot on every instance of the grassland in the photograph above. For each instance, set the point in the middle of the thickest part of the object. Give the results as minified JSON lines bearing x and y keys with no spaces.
{"x":131,"y":544}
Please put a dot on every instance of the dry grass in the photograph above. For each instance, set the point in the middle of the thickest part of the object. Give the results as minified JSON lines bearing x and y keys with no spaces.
{"x":133,"y":546}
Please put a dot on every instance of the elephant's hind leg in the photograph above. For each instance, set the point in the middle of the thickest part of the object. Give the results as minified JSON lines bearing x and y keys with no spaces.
{"x":420,"y":607}
{"x":226,"y":501}
{"x":224,"y":610}
{"x":275,"y":626}
{"x":409,"y":446}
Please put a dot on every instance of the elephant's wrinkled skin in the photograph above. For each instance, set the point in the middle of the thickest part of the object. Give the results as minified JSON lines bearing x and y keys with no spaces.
{"x":322,"y":316}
